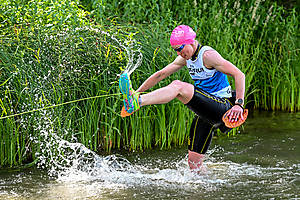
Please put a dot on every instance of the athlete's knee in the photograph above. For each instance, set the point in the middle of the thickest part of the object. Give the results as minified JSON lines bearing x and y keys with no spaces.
{"x":184,"y":91}
{"x":177,"y":85}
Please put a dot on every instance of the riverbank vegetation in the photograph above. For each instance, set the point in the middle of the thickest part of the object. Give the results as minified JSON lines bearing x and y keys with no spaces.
{"x":67,"y":52}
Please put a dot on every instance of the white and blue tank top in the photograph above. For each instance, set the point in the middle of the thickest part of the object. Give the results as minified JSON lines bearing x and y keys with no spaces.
{"x":209,"y":80}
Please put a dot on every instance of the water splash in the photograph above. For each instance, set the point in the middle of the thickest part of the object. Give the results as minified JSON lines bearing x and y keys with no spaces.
{"x":58,"y":152}
{"x":79,"y":164}
{"x":132,"y":48}
{"x":72,"y":162}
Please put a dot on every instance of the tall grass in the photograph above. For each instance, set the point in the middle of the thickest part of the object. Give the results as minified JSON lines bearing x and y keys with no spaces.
{"x":259,"y":36}
{"x":54,"y":52}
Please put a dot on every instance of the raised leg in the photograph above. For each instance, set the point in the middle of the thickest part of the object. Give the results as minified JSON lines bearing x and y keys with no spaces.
{"x":177,"y":89}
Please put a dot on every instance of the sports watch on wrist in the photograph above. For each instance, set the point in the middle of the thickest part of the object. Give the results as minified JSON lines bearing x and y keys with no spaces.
{"x":239,"y":102}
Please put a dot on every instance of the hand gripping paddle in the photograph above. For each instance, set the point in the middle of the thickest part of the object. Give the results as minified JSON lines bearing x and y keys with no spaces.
{"x":234,"y":124}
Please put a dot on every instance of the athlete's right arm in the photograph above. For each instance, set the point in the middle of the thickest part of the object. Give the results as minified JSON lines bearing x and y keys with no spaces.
{"x":171,"y":68}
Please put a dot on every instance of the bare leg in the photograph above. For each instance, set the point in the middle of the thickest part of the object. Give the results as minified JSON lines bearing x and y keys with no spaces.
{"x":195,"y":161}
{"x":177,"y":89}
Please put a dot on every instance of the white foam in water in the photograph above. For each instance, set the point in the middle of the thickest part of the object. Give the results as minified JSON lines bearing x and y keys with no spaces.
{"x":81,"y":164}
{"x":74,"y":163}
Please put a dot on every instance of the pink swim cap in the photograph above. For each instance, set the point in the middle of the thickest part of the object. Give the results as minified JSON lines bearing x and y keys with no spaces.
{"x":182,"y":34}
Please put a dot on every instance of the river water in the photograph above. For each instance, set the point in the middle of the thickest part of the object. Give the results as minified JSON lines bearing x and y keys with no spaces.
{"x":262,"y":162}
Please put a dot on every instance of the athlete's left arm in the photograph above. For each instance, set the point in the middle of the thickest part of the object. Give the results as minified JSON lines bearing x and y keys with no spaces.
{"x":212,"y":59}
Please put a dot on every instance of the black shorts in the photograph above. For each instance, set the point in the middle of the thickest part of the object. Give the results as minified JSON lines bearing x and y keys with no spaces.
{"x":209,"y":110}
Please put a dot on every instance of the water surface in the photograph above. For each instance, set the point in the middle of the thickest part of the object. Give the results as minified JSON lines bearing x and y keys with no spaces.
{"x":262,"y":162}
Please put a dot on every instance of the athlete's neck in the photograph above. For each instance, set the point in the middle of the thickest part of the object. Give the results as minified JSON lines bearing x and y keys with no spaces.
{"x":195,"y":55}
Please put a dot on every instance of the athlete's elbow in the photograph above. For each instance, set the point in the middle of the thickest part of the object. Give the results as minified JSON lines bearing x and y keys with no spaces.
{"x":239,"y":76}
{"x":242,"y":76}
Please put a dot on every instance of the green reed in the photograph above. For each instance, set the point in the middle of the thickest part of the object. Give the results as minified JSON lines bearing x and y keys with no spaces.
{"x":242,"y":32}
{"x":49,"y":57}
